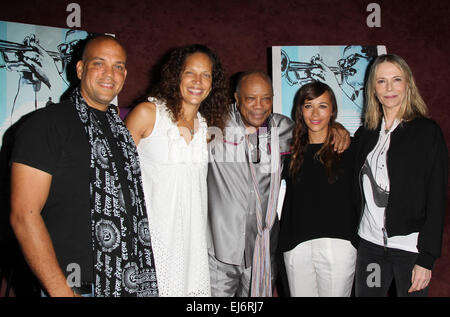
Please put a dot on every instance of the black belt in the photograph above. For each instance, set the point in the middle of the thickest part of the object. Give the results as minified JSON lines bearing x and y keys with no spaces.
{"x":83,"y":289}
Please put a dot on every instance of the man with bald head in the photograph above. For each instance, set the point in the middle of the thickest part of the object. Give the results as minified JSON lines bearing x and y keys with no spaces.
{"x":244,"y":175}
{"x":77,"y":205}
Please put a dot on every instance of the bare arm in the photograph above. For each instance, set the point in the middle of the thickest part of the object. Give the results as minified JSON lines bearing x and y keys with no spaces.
{"x":141,"y":120}
{"x":29,"y":192}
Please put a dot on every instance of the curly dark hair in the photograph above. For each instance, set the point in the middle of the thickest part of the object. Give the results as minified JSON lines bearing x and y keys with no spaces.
{"x":215,"y":107}
{"x":300,"y":140}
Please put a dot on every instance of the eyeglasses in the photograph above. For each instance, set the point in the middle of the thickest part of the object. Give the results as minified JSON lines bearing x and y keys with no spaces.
{"x":350,"y":60}
{"x":255,"y":153}
{"x":67,"y":48}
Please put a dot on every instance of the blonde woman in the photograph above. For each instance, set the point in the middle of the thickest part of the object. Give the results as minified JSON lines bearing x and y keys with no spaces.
{"x":402,"y":168}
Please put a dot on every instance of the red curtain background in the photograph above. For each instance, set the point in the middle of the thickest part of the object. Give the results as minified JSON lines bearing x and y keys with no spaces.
{"x":242,"y":33}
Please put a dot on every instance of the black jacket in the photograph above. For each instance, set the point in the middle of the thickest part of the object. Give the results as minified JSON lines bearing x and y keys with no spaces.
{"x":417,"y":163}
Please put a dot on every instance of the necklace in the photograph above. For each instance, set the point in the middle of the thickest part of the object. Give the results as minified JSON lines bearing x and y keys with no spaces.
{"x":187,"y":125}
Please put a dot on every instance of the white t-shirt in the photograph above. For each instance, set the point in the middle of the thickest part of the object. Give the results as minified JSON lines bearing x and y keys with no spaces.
{"x":372,"y":222}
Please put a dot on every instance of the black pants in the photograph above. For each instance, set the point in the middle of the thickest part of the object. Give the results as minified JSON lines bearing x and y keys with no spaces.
{"x":376,"y":267}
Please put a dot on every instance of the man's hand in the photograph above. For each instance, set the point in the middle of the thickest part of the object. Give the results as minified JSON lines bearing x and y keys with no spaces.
{"x":340,"y":137}
{"x":420,"y":278}
{"x":324,"y":73}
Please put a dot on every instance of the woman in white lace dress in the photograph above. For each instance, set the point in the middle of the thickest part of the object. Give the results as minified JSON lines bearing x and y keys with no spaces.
{"x":170,"y":131}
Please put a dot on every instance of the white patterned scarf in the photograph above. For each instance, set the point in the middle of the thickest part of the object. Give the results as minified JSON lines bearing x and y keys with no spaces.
{"x":123,"y":256}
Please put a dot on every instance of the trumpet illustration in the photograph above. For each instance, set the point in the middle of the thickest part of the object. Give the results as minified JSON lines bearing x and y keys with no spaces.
{"x":296,"y":72}
{"x":13,"y":58}
{"x":11,"y":47}
{"x":12,"y":53}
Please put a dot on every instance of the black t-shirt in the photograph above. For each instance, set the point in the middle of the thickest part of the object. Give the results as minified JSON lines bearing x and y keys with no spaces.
{"x":313,"y":208}
{"x":54,"y":141}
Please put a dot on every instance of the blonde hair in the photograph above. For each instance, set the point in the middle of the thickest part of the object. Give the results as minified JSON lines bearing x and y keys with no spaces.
{"x":412,"y":107}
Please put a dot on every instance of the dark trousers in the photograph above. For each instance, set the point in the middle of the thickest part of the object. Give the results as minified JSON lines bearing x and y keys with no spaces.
{"x":377,"y":266}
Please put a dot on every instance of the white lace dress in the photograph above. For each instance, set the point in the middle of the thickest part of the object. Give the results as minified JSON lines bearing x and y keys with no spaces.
{"x":174,"y":180}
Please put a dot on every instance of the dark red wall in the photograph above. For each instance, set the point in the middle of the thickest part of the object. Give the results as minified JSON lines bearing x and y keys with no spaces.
{"x":242,"y":32}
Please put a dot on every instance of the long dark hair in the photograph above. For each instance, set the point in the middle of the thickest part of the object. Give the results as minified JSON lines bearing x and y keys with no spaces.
{"x":215,"y":107}
{"x":300,"y":140}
